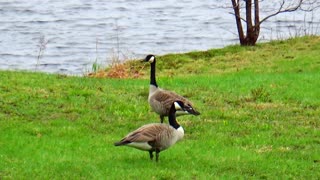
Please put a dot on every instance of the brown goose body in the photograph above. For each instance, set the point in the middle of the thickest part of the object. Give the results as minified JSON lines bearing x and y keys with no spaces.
{"x":152,"y":136}
{"x":155,"y":137}
{"x":160,"y":100}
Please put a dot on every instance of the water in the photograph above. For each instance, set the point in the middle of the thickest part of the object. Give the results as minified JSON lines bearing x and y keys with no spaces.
{"x":80,"y":32}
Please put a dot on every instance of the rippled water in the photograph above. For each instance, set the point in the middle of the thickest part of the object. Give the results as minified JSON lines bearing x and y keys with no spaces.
{"x":79,"y":32}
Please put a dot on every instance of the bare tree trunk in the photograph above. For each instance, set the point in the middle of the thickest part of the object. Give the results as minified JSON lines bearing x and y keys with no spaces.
{"x":236,"y":8}
{"x":252,"y":33}
{"x":253,"y":27}
{"x":256,"y":20}
{"x":250,"y":29}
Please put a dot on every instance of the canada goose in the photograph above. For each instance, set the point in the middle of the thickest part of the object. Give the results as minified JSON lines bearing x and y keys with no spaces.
{"x":160,"y":100}
{"x":156,"y":136}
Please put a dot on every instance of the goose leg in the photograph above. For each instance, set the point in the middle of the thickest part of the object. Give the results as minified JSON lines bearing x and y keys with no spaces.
{"x":157,"y":154}
{"x":151,"y":154}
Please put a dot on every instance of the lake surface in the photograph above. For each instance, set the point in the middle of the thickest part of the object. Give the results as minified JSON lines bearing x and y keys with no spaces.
{"x":76,"y":33}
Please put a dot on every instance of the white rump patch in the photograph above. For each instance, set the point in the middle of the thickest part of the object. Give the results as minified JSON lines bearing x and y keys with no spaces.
{"x":140,"y":145}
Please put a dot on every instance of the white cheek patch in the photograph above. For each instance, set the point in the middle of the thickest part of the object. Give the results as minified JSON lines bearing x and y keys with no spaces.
{"x":151,"y":60}
{"x":177,"y":106}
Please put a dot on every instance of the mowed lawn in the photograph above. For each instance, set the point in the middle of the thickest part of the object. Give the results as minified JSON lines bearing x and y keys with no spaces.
{"x":260,"y":118}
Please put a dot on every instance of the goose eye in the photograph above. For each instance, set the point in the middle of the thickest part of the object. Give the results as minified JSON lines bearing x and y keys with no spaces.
{"x":188,"y":106}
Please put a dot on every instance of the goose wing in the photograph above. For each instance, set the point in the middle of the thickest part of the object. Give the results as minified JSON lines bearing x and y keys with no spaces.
{"x":146,"y":133}
{"x":168,"y":97}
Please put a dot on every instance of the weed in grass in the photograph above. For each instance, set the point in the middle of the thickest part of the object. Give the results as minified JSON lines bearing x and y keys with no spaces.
{"x":260,"y":94}
{"x":42,"y":47}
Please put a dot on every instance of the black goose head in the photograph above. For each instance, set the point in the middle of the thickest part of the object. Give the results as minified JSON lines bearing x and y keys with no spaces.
{"x":188,"y":108}
{"x":150,"y":58}
{"x":177,"y":106}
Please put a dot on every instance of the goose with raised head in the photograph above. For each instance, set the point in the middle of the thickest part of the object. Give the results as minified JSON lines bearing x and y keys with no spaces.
{"x":160,"y":100}
{"x":156,"y":137}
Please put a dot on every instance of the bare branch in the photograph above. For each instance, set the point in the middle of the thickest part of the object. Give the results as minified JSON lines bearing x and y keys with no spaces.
{"x":282,"y":10}
{"x":310,"y":5}
{"x":238,"y":16}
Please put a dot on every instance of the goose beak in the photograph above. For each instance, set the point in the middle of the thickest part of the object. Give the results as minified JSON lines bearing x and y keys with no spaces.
{"x":195,"y":113}
{"x":190,"y":110}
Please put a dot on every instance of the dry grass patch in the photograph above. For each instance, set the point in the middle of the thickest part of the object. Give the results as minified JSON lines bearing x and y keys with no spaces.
{"x":127,"y":70}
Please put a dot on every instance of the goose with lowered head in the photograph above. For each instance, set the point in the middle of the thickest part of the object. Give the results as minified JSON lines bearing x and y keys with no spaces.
{"x":161,"y":100}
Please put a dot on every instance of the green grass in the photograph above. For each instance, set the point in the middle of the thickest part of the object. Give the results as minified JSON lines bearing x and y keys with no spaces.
{"x":260,"y":109}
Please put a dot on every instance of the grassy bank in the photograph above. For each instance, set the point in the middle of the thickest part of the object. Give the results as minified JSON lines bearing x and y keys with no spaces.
{"x":260,"y":117}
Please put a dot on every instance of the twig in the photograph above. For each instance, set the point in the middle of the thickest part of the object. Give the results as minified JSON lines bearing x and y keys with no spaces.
{"x":281,"y":10}
{"x":42,"y":46}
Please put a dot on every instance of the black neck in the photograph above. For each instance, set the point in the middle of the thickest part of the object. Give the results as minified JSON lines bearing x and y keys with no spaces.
{"x":153,"y":74}
{"x":172,"y":118}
